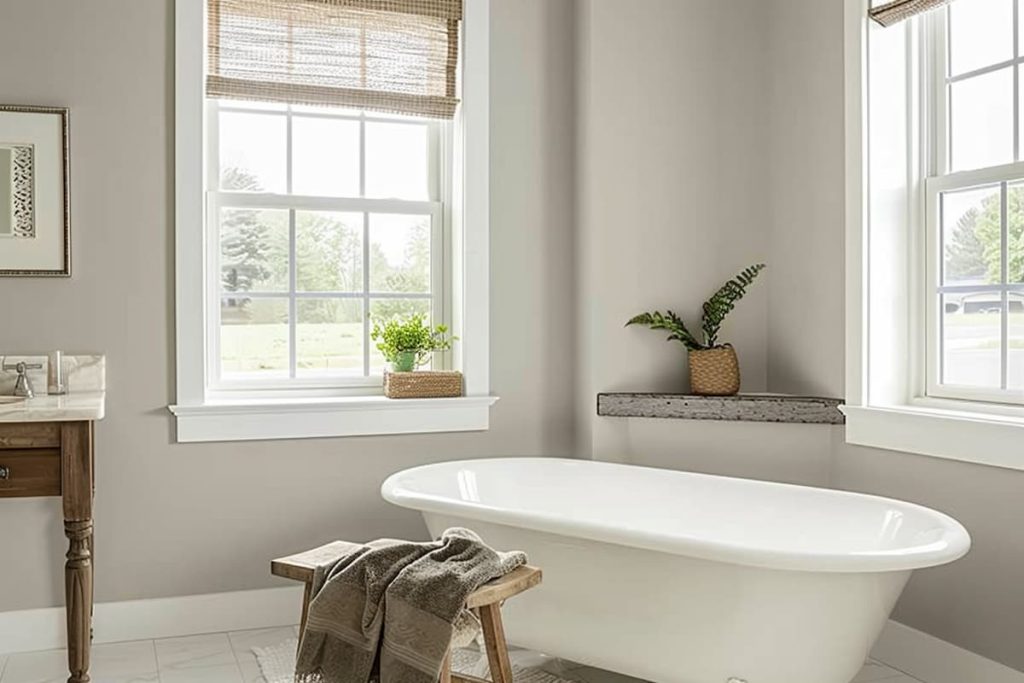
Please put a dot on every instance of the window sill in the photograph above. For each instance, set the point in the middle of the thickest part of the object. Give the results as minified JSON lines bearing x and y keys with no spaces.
{"x":981,"y":438}
{"x":267,"y":419}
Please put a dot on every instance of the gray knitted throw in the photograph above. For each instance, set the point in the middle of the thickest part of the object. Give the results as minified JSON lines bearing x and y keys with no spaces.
{"x":387,"y":610}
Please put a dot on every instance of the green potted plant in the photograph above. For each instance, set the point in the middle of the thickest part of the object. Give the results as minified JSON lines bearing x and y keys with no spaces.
{"x":407,"y":343}
{"x":714,"y":367}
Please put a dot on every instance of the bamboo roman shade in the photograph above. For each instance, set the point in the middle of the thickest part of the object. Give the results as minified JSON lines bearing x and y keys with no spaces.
{"x":900,"y":10}
{"x":396,"y":56}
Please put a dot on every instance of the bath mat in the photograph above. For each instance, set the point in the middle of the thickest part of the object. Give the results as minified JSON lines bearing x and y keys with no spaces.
{"x":277,"y":663}
{"x":474,"y":663}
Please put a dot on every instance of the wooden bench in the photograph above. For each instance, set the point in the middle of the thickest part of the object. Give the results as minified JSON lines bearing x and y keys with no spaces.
{"x":486,"y":601}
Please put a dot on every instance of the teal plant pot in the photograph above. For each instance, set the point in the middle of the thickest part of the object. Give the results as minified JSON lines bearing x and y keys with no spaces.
{"x":406,"y":362}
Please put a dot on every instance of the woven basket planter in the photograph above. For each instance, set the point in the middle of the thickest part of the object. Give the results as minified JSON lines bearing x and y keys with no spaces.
{"x":715,"y":372}
{"x":423,"y":384}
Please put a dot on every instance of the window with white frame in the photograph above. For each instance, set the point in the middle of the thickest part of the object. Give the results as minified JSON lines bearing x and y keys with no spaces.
{"x":327,"y":181}
{"x":974,"y":199}
{"x":935,"y":228}
{"x":331,"y":170}
{"x":320,"y":220}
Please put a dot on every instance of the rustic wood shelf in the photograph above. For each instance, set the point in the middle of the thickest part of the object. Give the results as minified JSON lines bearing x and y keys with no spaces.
{"x":740,"y":408}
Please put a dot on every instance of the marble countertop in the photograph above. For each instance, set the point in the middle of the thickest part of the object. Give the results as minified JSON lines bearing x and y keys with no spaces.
{"x":73,"y":407}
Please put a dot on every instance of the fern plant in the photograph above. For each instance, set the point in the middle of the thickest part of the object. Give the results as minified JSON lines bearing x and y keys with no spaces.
{"x":715,"y":310}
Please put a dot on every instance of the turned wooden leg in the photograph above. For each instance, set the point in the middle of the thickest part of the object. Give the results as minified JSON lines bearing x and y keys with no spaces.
{"x":78,"y":591}
{"x":77,"y":492}
{"x":92,"y":593}
{"x":494,"y":640}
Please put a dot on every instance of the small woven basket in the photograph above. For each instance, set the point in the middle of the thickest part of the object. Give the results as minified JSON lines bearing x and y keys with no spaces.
{"x":423,"y":384}
{"x":715,"y":372}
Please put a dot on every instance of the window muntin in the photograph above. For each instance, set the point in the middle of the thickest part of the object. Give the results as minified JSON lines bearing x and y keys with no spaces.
{"x":318,"y":221}
{"x":975,"y":204}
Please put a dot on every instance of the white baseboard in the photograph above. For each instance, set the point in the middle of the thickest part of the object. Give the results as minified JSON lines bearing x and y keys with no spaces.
{"x":930,"y":659}
{"x":43,"y":629}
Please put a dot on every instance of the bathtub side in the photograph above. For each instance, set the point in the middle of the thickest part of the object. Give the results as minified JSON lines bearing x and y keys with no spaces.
{"x":673,"y":619}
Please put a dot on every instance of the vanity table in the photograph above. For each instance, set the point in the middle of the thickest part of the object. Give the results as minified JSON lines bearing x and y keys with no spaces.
{"x":46,"y":449}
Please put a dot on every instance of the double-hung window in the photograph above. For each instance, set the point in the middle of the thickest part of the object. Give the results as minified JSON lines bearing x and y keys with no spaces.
{"x":320,"y":220}
{"x":935,"y":227}
{"x":331,"y":173}
{"x":974,"y":202}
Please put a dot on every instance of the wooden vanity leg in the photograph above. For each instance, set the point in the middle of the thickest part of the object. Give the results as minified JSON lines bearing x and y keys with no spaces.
{"x":78,"y":591}
{"x":77,"y":491}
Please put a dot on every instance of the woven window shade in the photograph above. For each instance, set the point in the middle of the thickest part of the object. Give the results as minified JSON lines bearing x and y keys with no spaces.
{"x":395,"y":56}
{"x":900,"y":10}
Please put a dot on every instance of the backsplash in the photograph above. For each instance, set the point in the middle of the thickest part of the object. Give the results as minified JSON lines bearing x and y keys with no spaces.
{"x":82,"y":372}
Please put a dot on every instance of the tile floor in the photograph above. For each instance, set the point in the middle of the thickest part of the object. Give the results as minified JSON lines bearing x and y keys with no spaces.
{"x":228,"y":658}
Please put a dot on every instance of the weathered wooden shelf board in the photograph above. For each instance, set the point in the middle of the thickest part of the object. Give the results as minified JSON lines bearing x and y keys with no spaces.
{"x":739,"y":408}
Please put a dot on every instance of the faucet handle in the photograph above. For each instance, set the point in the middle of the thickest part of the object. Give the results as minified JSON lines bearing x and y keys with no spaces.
{"x":23,"y":385}
{"x":21,"y":366}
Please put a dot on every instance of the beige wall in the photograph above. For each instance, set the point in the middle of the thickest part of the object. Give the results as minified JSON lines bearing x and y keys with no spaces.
{"x":804,"y":80}
{"x":175,"y":520}
{"x":667,"y":102}
{"x":700,"y":82}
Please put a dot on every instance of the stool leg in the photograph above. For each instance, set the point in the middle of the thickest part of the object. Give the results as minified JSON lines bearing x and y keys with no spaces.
{"x":494,"y":640}
{"x":306,"y":598}
{"x":446,"y":668}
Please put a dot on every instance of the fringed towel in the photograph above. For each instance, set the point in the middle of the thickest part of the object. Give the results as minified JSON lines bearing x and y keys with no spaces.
{"x":388,"y":609}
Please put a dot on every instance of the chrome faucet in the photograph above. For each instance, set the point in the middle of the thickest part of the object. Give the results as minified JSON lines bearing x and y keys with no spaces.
{"x":23,"y":385}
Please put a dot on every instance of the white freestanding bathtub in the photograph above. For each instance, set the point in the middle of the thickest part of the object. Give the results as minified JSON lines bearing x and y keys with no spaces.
{"x":688,"y":578}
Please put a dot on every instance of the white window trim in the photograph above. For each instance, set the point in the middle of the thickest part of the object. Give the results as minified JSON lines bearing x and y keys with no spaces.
{"x":203,"y":418}
{"x":329,"y":417}
{"x":886,"y":402}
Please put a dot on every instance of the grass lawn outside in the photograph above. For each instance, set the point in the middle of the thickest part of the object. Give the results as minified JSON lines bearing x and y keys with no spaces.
{"x":982,"y":330}
{"x":328,"y":348}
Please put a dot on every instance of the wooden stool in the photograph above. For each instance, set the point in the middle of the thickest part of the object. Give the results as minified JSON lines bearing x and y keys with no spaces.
{"x":486,"y":601}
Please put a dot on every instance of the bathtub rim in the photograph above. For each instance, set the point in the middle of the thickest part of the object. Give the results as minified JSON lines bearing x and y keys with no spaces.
{"x":954,"y":543}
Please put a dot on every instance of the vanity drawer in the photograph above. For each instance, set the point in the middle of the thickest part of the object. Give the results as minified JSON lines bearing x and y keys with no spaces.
{"x":25,"y":472}
{"x":30,"y":435}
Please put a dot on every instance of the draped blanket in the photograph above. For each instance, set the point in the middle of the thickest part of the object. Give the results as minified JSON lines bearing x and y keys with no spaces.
{"x":387,"y":610}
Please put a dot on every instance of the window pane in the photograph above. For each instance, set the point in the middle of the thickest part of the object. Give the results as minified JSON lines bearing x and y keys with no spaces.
{"x":253,"y":152}
{"x":397,"y":161}
{"x":385,"y":309}
{"x":399,"y":253}
{"x":1015,"y":232}
{"x":971,"y":333}
{"x":329,"y":338}
{"x":981,"y":113}
{"x":980,"y":34}
{"x":325,"y":157}
{"x":253,"y":250}
{"x":1020,"y":102}
{"x":328,"y":251}
{"x":972,"y":237}
{"x":1015,"y":353}
{"x":253,"y":338}
{"x":1020,"y":28}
